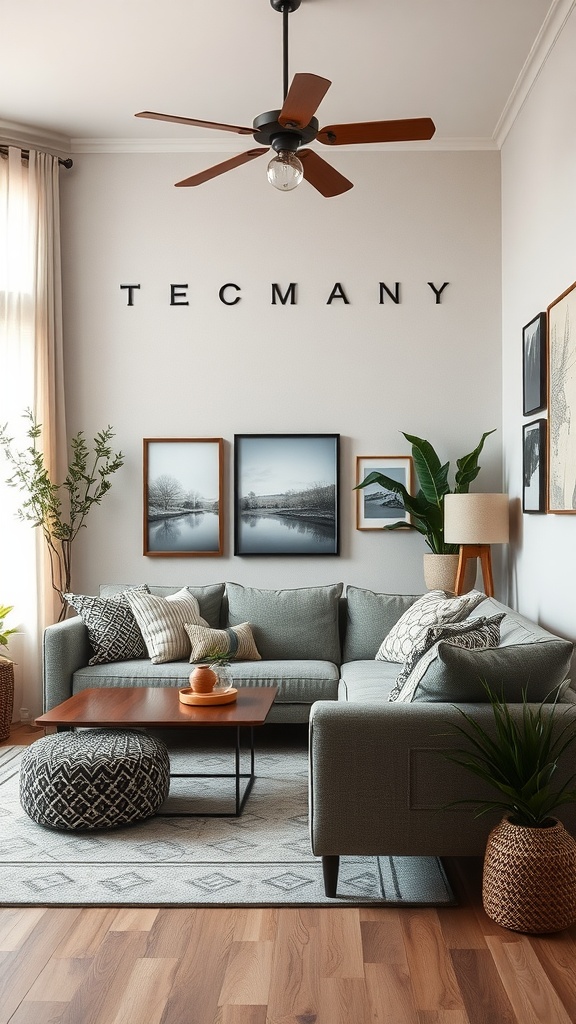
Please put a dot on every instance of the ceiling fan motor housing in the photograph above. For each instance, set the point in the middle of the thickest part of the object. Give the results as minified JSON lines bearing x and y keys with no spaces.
{"x":268,"y":131}
{"x":290,"y":5}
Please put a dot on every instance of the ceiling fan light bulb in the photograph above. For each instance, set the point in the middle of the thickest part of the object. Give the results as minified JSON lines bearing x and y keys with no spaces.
{"x":285,"y":171}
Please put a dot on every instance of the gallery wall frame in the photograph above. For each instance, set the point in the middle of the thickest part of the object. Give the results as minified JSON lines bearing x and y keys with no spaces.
{"x":534,"y":466}
{"x":376,"y":506}
{"x":182,"y":497}
{"x":534,"y":365}
{"x":286,"y":494}
{"x":561,"y":332}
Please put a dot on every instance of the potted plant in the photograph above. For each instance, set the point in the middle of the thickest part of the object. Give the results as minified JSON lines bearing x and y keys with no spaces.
{"x":426,"y":507}
{"x":6,"y":676}
{"x":529,"y":877}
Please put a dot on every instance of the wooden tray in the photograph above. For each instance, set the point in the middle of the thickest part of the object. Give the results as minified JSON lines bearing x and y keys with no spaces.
{"x":187,"y":696}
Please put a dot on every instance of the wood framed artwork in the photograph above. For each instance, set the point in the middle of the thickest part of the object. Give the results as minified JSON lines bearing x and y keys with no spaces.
{"x":286,"y":494}
{"x":534,"y":365}
{"x":534,"y":466}
{"x":561,"y":492}
{"x":183,"y":496}
{"x":377,"y":506}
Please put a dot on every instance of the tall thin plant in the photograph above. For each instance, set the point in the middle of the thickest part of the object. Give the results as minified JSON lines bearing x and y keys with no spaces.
{"x":60,"y":510}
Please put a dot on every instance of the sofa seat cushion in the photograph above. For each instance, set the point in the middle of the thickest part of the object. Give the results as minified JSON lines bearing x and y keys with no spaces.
{"x":298,"y":682}
{"x":367,"y":681}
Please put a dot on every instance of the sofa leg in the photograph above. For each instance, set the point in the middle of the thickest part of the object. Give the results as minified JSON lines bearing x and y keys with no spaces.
{"x":330,"y":867}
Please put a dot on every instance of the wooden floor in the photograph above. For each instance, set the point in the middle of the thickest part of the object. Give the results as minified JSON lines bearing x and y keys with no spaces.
{"x":282,"y":966}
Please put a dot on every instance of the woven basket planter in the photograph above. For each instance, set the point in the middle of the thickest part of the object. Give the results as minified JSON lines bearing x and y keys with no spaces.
{"x":529,"y":881}
{"x":6,"y":696}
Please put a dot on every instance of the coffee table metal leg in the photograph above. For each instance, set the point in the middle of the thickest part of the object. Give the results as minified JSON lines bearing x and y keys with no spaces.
{"x":237,"y":775}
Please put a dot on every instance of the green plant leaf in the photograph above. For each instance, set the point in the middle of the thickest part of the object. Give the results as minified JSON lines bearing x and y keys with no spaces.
{"x":468,"y":467}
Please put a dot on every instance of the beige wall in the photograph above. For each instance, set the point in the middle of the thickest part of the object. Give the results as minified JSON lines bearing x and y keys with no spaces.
{"x":364,"y":370}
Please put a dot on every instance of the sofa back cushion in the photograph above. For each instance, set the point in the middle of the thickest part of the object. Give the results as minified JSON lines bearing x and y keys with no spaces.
{"x":300,"y":623}
{"x":209,"y":598}
{"x":370,"y":617}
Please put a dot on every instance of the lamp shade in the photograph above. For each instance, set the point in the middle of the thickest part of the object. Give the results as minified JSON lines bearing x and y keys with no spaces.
{"x":476,"y":518}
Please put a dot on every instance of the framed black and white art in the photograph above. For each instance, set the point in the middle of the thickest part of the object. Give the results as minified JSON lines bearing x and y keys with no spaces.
{"x":183,"y":496}
{"x":534,"y":467}
{"x":534,"y":365}
{"x":378,"y":506}
{"x":562,"y":403}
{"x":286,"y":494}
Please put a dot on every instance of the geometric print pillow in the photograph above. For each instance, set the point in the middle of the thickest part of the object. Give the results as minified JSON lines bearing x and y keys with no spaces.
{"x":473,"y":634}
{"x":113,"y":632}
{"x":161,"y":621}
{"x":233,"y":644}
{"x":431,"y":609}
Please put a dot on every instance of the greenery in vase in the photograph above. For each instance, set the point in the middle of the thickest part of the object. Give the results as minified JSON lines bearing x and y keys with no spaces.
{"x":426,"y":507}
{"x":519,"y":762}
{"x":60,"y":510}
{"x":5,"y":610}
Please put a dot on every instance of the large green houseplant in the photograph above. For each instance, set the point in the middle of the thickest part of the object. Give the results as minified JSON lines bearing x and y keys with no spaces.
{"x":529,"y":878}
{"x":426,"y":507}
{"x":60,"y":510}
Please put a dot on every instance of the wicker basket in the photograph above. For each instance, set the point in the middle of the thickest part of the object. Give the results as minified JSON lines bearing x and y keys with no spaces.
{"x":6,"y":696}
{"x":529,"y":882}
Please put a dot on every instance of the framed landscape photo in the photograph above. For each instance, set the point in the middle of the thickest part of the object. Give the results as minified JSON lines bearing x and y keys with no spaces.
{"x":534,"y":365}
{"x":183,"y":496}
{"x":377,"y":506}
{"x":562,"y":403}
{"x":534,"y":467}
{"x":286,"y":494}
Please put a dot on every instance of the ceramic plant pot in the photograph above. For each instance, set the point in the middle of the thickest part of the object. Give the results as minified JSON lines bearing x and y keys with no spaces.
{"x":203,"y":679}
{"x":440,"y":572}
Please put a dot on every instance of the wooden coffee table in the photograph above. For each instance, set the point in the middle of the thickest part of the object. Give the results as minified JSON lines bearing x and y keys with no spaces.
{"x":120,"y":707}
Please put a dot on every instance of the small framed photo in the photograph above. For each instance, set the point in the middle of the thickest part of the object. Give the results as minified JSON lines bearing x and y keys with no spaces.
{"x":534,"y":364}
{"x":562,"y":403}
{"x":377,"y":506}
{"x":534,"y":467}
{"x":183,"y":496}
{"x":286,"y":494}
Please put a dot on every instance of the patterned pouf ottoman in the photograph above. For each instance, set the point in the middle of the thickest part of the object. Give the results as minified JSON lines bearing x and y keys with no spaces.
{"x":95,"y":778}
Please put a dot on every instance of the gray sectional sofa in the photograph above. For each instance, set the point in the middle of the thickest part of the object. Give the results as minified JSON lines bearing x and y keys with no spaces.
{"x":378,"y":781}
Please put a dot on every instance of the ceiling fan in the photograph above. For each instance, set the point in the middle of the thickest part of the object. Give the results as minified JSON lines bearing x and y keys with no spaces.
{"x":294,"y":126}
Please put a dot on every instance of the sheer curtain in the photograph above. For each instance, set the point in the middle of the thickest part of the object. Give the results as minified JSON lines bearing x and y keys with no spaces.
{"x":31,"y":376}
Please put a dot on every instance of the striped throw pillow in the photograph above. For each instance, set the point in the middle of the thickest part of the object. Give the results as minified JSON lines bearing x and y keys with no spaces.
{"x":161,"y":621}
{"x":235,"y":643}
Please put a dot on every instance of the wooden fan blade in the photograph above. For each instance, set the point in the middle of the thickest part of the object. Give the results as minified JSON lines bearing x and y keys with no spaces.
{"x":226,"y":165}
{"x":325,"y":178}
{"x":302,"y":101}
{"x":408,"y":130}
{"x":192,"y":120}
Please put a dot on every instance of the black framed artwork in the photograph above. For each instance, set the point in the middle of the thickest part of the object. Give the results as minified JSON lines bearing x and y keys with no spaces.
{"x":534,"y":467}
{"x":286,"y":494}
{"x":534,"y":364}
{"x":183,"y":496}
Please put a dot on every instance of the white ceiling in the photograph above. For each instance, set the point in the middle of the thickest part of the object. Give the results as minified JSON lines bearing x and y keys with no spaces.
{"x":82,"y":68}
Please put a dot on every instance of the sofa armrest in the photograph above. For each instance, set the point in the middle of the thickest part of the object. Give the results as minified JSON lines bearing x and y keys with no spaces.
{"x":65,"y":649}
{"x":380,"y":785}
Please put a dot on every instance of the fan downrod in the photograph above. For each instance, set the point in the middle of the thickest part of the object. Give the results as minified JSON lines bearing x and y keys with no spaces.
{"x":290,"y":5}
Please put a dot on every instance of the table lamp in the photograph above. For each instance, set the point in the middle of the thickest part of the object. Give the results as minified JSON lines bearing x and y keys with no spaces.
{"x":475,"y":521}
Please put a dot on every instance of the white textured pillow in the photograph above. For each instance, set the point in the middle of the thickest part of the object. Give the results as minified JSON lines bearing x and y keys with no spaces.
{"x":473,"y":634}
{"x":431,"y":609}
{"x":161,"y":621}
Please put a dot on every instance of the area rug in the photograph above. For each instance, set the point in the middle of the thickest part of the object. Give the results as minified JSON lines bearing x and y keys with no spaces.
{"x":262,"y":858}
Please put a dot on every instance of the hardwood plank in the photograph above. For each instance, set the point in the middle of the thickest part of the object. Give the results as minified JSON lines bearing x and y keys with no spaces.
{"x":242,"y":1015}
{"x":20,"y":973}
{"x":530,"y":992}
{"x":340,"y":942}
{"x":390,"y":994}
{"x":16,"y":924}
{"x":294,"y":989}
{"x":382,"y":939}
{"x":443,"y":1017}
{"x":557,"y":956}
{"x":433,"y":979}
{"x":248,"y":972}
{"x":134,"y":919}
{"x":199,"y":978}
{"x":38,"y":1013}
{"x":146,"y":992}
{"x":484,"y":995}
{"x":171,"y":932}
{"x":461,"y":928}
{"x":343,"y":1000}
{"x":254,"y":923}
{"x":58,"y":981}
{"x":86,"y":934}
{"x":96,"y":1001}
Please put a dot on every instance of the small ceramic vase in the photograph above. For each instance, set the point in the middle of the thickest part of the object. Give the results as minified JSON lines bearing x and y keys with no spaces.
{"x":203,"y":679}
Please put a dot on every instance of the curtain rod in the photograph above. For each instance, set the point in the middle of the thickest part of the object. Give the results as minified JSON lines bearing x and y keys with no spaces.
{"x":68,"y":162}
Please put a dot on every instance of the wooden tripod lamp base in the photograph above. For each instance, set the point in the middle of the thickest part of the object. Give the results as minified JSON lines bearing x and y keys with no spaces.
{"x":481,"y":551}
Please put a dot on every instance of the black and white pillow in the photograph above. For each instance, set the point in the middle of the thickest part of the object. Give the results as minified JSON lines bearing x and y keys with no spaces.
{"x":113,"y":631}
{"x":432,"y":609}
{"x":473,"y":634}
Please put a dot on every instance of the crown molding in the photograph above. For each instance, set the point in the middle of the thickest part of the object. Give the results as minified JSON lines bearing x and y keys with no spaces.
{"x":28,"y":136}
{"x":542,"y":47}
{"x":226,"y":145}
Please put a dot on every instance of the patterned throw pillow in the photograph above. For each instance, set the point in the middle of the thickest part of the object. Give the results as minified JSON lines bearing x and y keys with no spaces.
{"x":113,"y":631}
{"x":236,"y":642}
{"x":473,"y":634}
{"x":161,"y":620}
{"x":431,"y":609}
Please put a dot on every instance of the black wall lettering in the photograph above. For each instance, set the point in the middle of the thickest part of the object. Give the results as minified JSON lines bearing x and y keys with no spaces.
{"x":290,"y":294}
{"x":395,"y":295}
{"x":178,"y":295}
{"x":130,"y":288}
{"x":337,"y":293}
{"x":438,"y":291}
{"x":229,"y":302}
